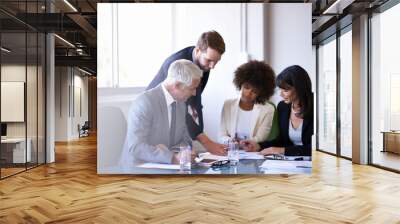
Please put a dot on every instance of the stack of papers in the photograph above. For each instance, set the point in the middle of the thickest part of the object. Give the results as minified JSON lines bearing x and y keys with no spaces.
{"x":160,"y":166}
{"x":286,"y":167}
{"x":208,"y":155}
{"x":242,"y":155}
{"x":211,"y":171}
{"x":250,"y":155}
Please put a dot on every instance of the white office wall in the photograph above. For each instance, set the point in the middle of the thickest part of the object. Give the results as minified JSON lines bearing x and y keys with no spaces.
{"x":17,"y":73}
{"x":13,"y":72}
{"x":70,"y":84}
{"x":61,"y":103}
{"x":289,"y":40}
{"x":80,"y":104}
{"x":242,"y":30}
{"x":254,"y":32}
{"x":12,"y":101}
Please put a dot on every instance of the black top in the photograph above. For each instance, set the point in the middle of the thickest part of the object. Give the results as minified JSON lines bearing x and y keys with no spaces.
{"x":194,"y":101}
{"x":283,"y":139}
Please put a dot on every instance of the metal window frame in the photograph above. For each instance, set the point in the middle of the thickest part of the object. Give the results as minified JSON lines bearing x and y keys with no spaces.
{"x":379,"y":10}
{"x":334,"y":37}
{"x":44,"y":74}
{"x":386,"y":6}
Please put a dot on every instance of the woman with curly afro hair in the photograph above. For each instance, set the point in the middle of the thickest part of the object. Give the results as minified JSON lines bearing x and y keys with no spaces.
{"x":250,"y":115}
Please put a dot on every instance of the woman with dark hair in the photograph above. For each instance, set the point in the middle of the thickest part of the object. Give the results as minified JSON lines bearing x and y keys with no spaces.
{"x":249,"y":116}
{"x":295,"y":116}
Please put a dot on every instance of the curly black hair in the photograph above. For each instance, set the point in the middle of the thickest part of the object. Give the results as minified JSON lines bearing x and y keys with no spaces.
{"x":260,"y":76}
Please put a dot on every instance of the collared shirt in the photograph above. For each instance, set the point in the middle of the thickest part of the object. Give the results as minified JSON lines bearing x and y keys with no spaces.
{"x":194,"y":114}
{"x":169,"y":100}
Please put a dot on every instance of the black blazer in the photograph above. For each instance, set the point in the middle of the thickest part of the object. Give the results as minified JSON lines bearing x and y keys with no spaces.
{"x":194,"y":101}
{"x":283,"y":139}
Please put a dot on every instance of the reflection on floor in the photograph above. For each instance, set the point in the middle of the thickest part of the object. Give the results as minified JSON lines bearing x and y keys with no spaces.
{"x":386,"y":159}
{"x":10,"y":169}
{"x":70,"y":191}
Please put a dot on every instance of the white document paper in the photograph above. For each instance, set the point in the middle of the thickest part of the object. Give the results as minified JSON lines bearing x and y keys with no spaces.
{"x":160,"y":166}
{"x":286,"y":167}
{"x":211,"y":171}
{"x":242,"y":155}
{"x":208,"y":155}
{"x":250,"y":155}
{"x":285,"y":164}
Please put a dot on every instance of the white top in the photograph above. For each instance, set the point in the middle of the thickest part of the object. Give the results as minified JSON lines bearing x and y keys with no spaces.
{"x":243,"y":127}
{"x":169,"y":100}
{"x":295,"y":134}
{"x":260,"y":124}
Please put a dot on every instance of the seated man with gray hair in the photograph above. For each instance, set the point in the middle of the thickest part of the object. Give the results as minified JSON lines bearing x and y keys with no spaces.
{"x":156,"y":120}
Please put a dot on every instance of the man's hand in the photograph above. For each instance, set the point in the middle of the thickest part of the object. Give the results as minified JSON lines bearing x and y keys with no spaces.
{"x":250,"y":146}
{"x":272,"y":151}
{"x":177,"y":156}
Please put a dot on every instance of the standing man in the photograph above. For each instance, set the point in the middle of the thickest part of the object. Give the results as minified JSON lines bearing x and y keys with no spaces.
{"x":206,"y":55}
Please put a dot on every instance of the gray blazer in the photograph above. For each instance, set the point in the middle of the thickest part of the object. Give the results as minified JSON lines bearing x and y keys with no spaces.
{"x":148,"y":127}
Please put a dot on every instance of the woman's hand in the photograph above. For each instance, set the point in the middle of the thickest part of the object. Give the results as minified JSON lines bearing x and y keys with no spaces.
{"x":272,"y":151}
{"x":250,"y":146}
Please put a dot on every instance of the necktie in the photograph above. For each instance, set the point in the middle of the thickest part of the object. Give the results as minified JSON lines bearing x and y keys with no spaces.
{"x":172,"y":126}
{"x":195,"y":115}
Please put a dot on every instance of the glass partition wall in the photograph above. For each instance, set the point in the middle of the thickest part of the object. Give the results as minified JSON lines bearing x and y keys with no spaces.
{"x":334,"y":58}
{"x":385,"y":89}
{"x":335,"y":108}
{"x":327,"y":96}
{"x":346,"y":72}
{"x":22,"y":107}
{"x":13,"y":109}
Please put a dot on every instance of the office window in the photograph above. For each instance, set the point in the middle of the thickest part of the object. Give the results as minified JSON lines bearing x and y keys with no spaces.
{"x":105,"y":20}
{"x":327,"y":96}
{"x":124,"y":38}
{"x":346,"y":94}
{"x":385,"y":88}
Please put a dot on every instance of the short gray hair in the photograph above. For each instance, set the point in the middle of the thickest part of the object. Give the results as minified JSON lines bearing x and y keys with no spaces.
{"x":183,"y":71}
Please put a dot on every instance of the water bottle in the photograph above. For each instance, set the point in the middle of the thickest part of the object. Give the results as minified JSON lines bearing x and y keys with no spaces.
{"x":185,"y":159}
{"x":233,"y":152}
